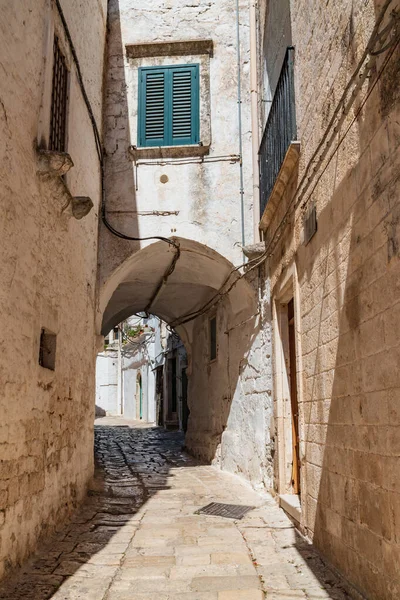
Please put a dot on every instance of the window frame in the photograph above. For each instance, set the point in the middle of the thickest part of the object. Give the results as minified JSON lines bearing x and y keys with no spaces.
{"x":167,"y":140}
{"x":57,"y":47}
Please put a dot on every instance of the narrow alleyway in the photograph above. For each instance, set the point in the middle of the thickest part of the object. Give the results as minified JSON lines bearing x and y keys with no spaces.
{"x":138,"y":537}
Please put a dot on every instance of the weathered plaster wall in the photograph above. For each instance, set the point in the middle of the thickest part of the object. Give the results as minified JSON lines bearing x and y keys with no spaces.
{"x":206,"y":195}
{"x":107,"y":383}
{"x":346,"y":286}
{"x":47,"y":277}
{"x":230,"y":398}
{"x":118,"y":366}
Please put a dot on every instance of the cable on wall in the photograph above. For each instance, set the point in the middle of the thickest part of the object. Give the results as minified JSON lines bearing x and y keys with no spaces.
{"x":239,"y":103}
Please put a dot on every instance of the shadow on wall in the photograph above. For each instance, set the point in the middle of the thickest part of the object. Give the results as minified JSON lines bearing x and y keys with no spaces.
{"x":352,"y":411}
{"x":217,"y":391}
{"x":120,"y":190}
{"x":99,"y":412}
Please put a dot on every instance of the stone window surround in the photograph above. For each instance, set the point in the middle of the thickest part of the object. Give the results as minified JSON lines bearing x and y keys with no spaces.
{"x":285,"y":289}
{"x":53,"y":28}
{"x":161,"y":54}
{"x":47,"y":319}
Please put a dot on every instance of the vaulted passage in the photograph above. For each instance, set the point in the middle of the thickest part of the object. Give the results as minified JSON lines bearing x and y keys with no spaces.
{"x":173,"y":282}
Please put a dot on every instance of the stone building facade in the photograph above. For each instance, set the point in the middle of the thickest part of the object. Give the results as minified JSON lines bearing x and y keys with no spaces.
{"x":331,"y":231}
{"x":48,"y":266}
{"x":125,"y":369}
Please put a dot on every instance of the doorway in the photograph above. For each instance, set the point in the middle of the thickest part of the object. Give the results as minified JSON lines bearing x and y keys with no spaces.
{"x":174,"y":398}
{"x":185,"y":407}
{"x":287,"y":394}
{"x":139,"y":396}
{"x":294,"y":404}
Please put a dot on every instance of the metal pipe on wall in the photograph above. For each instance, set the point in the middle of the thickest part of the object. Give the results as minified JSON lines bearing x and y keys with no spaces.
{"x":255,"y":138}
{"x":239,"y":101}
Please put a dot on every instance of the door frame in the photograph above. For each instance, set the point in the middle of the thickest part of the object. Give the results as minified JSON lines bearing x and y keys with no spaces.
{"x":286,"y":289}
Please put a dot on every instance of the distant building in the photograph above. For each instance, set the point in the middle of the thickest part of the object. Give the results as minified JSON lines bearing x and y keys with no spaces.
{"x":141,"y":374}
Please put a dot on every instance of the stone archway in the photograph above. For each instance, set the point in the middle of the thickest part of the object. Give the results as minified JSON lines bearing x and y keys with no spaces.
{"x":229,"y":394}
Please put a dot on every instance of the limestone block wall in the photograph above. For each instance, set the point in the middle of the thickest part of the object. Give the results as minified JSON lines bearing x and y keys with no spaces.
{"x":47,"y":275}
{"x":345,"y":283}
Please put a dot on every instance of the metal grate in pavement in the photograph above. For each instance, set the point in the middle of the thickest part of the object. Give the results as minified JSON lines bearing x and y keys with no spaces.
{"x":229,"y":511}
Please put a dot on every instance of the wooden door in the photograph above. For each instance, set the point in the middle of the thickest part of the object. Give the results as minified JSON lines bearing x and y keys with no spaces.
{"x":294,"y":400}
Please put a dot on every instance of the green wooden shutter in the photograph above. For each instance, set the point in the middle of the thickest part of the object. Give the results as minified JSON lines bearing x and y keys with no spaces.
{"x":152,"y":107}
{"x":168,"y":106}
{"x":185,"y":105}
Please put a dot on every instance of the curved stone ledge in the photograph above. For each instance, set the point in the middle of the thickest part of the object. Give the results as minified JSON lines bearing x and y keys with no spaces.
{"x":284,"y":175}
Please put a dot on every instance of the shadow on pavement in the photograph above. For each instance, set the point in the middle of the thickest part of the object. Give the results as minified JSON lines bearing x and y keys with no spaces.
{"x":131,"y":466}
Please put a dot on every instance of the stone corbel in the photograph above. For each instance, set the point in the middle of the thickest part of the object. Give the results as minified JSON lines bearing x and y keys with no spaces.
{"x":53,"y":164}
{"x":51,"y":168}
{"x":254,"y":250}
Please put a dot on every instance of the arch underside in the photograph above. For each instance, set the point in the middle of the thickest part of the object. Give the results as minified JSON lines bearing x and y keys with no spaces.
{"x":140,"y":283}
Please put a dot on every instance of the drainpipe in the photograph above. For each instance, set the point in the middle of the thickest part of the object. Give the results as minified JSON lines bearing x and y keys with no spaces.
{"x":239,"y":102}
{"x":254,"y":119}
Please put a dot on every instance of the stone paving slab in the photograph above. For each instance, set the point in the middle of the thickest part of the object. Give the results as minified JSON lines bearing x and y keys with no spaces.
{"x":137,"y":536}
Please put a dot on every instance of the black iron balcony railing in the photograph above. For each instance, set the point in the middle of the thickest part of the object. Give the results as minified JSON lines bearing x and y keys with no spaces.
{"x":280,"y":130}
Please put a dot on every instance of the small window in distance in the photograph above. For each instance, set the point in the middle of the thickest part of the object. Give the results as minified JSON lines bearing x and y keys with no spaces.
{"x":47,"y":350}
{"x":58,"y":117}
{"x":213,"y":338}
{"x":116,"y":333}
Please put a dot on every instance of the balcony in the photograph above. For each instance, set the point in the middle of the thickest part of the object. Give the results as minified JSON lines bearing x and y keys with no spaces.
{"x":279,"y":149}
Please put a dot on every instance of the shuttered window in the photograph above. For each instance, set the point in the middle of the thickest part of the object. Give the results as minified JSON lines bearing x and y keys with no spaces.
{"x":168,"y":106}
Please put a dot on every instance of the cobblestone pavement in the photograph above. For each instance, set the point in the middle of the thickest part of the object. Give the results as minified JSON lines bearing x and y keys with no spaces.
{"x":137,"y":536}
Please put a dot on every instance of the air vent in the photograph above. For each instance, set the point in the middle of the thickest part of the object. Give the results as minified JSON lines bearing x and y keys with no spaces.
{"x":47,"y":349}
{"x":310,"y":224}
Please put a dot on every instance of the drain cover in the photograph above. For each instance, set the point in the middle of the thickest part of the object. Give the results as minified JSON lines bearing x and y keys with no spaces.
{"x":229,"y":511}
